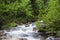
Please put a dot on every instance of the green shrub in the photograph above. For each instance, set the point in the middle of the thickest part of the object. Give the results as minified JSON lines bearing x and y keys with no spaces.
{"x":9,"y":25}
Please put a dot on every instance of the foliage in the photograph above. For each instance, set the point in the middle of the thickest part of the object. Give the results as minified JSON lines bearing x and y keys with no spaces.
{"x":39,"y":8}
{"x":23,"y":11}
{"x":9,"y":25}
{"x":52,"y":16}
{"x":13,"y":10}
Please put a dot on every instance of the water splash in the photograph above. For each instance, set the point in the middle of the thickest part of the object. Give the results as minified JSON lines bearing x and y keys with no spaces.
{"x":23,"y":32}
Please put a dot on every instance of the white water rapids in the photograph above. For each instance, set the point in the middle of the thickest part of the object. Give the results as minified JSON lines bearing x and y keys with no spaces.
{"x":23,"y":32}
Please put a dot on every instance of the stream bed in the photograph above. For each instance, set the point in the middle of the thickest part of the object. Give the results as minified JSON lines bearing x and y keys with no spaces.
{"x":21,"y":32}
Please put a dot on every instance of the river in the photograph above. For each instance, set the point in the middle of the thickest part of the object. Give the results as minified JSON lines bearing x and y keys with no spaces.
{"x":23,"y":32}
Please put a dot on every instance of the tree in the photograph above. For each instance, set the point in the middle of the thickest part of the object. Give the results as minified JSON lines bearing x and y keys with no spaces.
{"x":53,"y":15}
{"x":16,"y":11}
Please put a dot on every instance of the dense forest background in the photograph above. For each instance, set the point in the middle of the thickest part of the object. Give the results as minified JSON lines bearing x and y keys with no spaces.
{"x":24,"y":11}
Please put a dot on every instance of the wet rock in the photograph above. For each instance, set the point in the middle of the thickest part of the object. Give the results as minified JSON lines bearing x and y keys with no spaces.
{"x":34,"y":28}
{"x":21,"y":38}
{"x":24,"y":38}
{"x":42,"y":38}
{"x":51,"y":33}
{"x":41,"y":32}
{"x":57,"y":39}
{"x":27,"y":25}
{"x":50,"y":38}
{"x":1,"y":33}
{"x":3,"y":37}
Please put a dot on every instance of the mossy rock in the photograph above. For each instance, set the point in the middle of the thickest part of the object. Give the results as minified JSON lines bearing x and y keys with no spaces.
{"x":9,"y":25}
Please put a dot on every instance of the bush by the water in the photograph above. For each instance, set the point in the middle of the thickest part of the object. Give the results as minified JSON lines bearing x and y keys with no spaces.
{"x":9,"y":25}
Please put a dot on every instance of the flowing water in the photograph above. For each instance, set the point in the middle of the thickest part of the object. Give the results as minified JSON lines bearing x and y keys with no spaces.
{"x":21,"y":31}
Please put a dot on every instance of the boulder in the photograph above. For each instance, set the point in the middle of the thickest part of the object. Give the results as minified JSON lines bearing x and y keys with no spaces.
{"x":1,"y":33}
